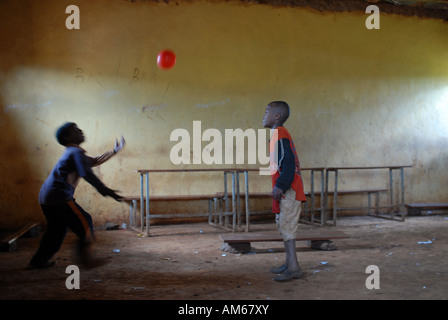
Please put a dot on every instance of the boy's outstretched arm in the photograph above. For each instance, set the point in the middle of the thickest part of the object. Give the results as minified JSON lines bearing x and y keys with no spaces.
{"x":96,"y":161}
{"x":85,"y":171}
{"x":101,"y":187}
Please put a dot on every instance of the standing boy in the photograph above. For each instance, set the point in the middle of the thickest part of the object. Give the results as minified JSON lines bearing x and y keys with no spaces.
{"x":287,"y":187}
{"x":56,"y":196}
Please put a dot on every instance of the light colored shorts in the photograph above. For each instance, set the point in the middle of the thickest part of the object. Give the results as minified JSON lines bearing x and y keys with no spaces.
{"x":288,"y":218}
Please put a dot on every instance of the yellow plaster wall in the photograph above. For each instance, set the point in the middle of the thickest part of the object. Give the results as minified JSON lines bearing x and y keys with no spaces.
{"x":358,"y":97}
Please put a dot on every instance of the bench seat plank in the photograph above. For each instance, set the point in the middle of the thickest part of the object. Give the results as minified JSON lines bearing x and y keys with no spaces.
{"x":415,"y":209}
{"x":172,"y":197}
{"x":251,"y":195}
{"x":437,"y":205}
{"x":342,"y":192}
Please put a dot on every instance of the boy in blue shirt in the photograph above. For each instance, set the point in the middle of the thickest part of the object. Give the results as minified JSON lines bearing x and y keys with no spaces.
{"x":56,"y":196}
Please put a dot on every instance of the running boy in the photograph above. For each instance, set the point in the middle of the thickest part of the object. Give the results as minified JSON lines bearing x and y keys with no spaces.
{"x":56,"y":196}
{"x":287,"y":187}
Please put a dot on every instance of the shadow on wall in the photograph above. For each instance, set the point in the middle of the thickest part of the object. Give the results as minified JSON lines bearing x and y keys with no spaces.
{"x":18,"y":188}
{"x":25,"y":36}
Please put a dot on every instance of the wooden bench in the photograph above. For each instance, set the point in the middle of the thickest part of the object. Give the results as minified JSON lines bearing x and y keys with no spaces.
{"x":369,"y":207}
{"x":134,"y":199}
{"x":216,"y":211}
{"x":241,"y":242}
{"x":308,"y":213}
{"x":392,"y":203}
{"x":10,"y":242}
{"x":251,"y":195}
{"x":357,"y":191}
{"x":415,"y":209}
{"x":214,"y":205}
{"x":233,"y":172}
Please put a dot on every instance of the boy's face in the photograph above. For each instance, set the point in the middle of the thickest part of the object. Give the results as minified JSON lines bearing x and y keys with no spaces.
{"x":76,"y":135}
{"x":270,"y":117}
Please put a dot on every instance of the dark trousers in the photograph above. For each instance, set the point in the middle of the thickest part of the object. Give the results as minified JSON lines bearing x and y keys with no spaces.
{"x":59,"y":219}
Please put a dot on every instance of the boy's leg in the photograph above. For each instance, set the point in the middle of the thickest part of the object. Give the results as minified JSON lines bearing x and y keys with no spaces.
{"x":291,"y":255}
{"x":54,"y":236}
{"x":291,"y":262}
{"x":281,"y":268}
{"x":288,"y":221}
{"x":293,"y":271}
{"x":80,"y":222}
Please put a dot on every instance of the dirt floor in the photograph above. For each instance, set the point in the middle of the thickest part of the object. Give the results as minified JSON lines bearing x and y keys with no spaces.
{"x":185,"y":262}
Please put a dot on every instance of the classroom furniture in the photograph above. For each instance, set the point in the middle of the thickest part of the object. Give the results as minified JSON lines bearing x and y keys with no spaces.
{"x":9,"y":243}
{"x":392,"y":205}
{"x":311,"y":213}
{"x":227,"y":204}
{"x":241,"y":242}
{"x":145,"y":196}
{"x":222,"y":205}
{"x":415,"y":209}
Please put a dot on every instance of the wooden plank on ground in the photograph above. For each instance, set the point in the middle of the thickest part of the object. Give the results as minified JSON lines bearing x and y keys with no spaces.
{"x":268,"y":236}
{"x":9,"y":243}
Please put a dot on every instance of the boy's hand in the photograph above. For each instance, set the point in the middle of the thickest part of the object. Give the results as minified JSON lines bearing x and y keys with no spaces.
{"x":119,"y":146}
{"x":112,"y":193}
{"x":277,"y":193}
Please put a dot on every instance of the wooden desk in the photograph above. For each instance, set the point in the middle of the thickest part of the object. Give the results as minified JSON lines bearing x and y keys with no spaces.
{"x":310,"y":208}
{"x":145,"y":196}
{"x":391,"y":205}
{"x":235,"y":195}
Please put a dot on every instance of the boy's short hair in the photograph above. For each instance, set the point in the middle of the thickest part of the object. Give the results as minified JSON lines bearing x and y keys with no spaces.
{"x":63,"y":132}
{"x":283,"y":108}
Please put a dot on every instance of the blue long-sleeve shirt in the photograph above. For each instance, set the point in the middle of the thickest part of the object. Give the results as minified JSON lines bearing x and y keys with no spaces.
{"x":60,"y":185}
{"x":286,"y":163}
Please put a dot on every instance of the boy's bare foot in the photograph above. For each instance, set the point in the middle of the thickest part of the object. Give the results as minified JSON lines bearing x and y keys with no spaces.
{"x":288,"y":275}
{"x":279,"y":269}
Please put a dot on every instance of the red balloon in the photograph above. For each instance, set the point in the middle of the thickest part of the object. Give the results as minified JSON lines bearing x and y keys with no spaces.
{"x":166,"y":59}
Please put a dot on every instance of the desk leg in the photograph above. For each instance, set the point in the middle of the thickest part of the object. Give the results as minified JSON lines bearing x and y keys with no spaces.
{"x":402,"y":194}
{"x":147,"y":204}
{"x":226,"y":202}
{"x":391,"y":186}
{"x":246,"y":185}
{"x":238,"y":199}
{"x":233,"y":202}
{"x":142,"y":224}
{"x":335,"y":199}
{"x":322,"y":197}
{"x":323,"y":220}
{"x":312,"y":196}
{"x":133,"y":207}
